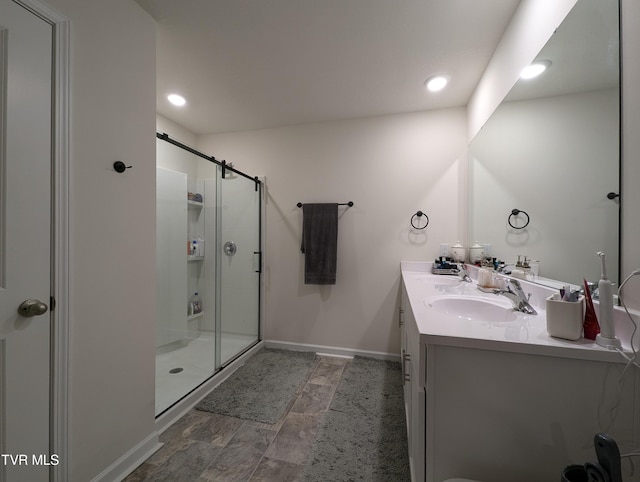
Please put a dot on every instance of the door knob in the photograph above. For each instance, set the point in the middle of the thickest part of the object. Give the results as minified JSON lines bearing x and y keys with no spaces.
{"x":29,"y":308}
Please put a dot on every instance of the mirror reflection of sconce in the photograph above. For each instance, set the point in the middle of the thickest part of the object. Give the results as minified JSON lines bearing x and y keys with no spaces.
{"x":419,"y":215}
{"x":535,"y":69}
{"x":514,"y":214}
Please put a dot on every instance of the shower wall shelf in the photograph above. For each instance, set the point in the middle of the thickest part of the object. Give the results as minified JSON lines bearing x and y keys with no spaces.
{"x":195,"y":204}
{"x":197,"y":315}
{"x":195,"y":258}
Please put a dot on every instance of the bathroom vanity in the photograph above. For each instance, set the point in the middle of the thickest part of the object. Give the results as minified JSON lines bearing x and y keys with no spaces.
{"x":489,"y":395}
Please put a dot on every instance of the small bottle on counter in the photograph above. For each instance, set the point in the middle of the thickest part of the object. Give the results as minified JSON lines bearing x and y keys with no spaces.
{"x":485,"y":278}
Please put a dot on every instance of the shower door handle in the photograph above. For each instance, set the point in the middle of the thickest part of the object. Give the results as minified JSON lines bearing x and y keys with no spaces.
{"x":257,"y":261}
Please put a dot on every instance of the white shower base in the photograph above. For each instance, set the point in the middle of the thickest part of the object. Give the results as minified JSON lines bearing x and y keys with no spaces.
{"x":197,"y":359}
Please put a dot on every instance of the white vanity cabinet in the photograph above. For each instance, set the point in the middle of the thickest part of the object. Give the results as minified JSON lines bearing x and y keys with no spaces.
{"x":413,"y":371}
{"x":508,"y":404}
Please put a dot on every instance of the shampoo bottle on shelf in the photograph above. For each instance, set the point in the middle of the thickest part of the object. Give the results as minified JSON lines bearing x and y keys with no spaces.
{"x":200,"y":243}
{"x":195,"y":305}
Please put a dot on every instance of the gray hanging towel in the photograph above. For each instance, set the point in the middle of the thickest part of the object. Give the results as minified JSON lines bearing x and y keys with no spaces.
{"x":320,"y":243}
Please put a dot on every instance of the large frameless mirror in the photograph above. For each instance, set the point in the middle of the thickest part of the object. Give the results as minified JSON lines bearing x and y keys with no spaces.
{"x":550,"y":156}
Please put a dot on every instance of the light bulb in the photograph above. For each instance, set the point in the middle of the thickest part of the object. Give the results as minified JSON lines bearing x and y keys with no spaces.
{"x":436,"y":83}
{"x":176,"y":100}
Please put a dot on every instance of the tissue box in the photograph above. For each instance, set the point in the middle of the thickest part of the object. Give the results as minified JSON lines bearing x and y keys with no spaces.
{"x":565,"y":318}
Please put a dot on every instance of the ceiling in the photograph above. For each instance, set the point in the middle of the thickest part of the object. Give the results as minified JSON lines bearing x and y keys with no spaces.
{"x":254,"y":64}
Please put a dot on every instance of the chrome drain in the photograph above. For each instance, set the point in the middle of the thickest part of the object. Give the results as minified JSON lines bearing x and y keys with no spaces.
{"x":176,"y":370}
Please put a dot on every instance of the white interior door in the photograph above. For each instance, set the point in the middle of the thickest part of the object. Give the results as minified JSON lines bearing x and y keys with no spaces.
{"x":25,"y":243}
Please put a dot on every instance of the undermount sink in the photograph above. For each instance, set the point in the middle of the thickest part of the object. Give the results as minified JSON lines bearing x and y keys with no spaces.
{"x":472,"y":309}
{"x":440,"y":279}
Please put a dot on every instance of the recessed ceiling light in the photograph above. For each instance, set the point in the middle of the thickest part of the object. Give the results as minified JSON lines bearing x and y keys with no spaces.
{"x":177,"y":100}
{"x":535,"y":69}
{"x":437,"y":82}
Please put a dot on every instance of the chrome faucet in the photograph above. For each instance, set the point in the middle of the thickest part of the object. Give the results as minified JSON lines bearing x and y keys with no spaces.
{"x":463,"y":274}
{"x":519,"y":300}
{"x":593,"y":289}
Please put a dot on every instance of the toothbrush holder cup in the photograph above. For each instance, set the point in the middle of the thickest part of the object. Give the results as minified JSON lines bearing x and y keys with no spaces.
{"x":565,"y":318}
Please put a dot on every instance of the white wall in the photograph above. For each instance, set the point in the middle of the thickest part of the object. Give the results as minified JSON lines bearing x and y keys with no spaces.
{"x":175,"y":131}
{"x":112,"y":313}
{"x":174,"y":158}
{"x":390,"y":167}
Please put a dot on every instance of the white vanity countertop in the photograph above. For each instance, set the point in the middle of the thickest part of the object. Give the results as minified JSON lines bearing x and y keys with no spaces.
{"x":522,"y":333}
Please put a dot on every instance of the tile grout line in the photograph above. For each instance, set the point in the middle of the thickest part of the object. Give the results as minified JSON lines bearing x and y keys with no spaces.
{"x":320,"y":374}
{"x":316,"y":363}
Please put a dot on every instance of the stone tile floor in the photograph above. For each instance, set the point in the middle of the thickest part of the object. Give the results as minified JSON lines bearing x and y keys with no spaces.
{"x":204,"y":446}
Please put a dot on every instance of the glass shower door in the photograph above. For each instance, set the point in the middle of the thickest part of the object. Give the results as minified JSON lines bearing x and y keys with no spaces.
{"x":185,"y":336}
{"x":238,"y":264}
{"x":208,"y":268}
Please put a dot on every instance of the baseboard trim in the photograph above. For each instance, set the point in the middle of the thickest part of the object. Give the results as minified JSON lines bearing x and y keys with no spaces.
{"x":132,"y":459}
{"x":331,"y":350}
{"x":172,"y":415}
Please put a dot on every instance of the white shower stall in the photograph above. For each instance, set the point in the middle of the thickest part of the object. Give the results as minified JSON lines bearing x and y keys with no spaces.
{"x":208,"y":268}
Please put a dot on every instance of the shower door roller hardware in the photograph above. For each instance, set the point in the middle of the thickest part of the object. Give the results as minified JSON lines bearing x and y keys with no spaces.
{"x":230,"y":248}
{"x":29,"y":308}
